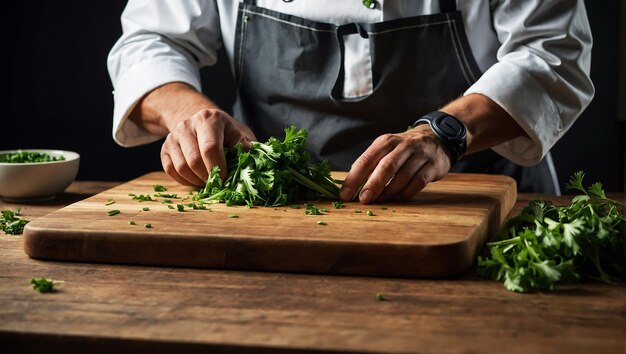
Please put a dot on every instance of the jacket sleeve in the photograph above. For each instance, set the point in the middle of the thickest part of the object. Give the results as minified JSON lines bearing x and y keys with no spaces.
{"x":541,"y":77}
{"x":163,"y":41}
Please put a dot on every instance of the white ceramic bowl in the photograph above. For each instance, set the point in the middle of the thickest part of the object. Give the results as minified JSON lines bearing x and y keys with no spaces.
{"x":37,"y":180}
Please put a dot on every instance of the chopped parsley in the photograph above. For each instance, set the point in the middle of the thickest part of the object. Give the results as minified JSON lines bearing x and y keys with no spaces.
{"x":44,"y":285}
{"x":10,"y":223}
{"x":338,"y":204}
{"x":321,"y":223}
{"x":142,"y":198}
{"x":159,"y":188}
{"x":198,"y":206}
{"x":312,"y":209}
{"x":29,"y":157}
{"x":113,"y":212}
{"x":109,"y":202}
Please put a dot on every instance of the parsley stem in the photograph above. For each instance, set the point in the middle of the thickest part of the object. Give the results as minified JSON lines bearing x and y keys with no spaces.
{"x":504,"y":242}
{"x":303,"y":180}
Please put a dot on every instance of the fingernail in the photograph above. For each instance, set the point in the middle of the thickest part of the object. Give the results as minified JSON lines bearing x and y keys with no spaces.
{"x":346,"y":194}
{"x":366,"y":196}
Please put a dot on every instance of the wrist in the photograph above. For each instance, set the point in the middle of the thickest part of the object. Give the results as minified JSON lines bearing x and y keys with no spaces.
{"x":486,"y":122}
{"x":162,"y":109}
{"x":449,"y":130}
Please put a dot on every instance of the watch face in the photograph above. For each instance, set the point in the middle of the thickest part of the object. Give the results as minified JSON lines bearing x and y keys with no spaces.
{"x":450,"y":126}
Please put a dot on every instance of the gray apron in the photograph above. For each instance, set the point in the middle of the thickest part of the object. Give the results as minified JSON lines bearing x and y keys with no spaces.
{"x":290,"y":71}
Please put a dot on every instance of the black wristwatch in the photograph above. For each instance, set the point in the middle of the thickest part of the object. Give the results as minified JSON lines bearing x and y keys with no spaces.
{"x":449,"y":130}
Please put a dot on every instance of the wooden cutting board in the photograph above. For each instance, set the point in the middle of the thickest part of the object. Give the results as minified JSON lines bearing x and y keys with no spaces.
{"x":437,"y":234}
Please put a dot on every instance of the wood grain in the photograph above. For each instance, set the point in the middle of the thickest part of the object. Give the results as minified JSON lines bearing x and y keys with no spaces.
{"x":135,"y":309}
{"x":436,"y":234}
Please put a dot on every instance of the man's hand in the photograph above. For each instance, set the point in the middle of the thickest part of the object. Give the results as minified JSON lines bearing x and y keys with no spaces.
{"x":198,"y":131}
{"x":197,"y":144}
{"x":401,"y":165}
{"x":398,"y":166}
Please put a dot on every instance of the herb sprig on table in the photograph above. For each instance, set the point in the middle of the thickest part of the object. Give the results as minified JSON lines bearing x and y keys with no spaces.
{"x":547,"y":244}
{"x":44,"y":285}
{"x":271,"y":174}
{"x":10,"y":223}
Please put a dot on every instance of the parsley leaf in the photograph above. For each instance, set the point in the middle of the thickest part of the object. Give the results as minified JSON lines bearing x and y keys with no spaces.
{"x":159,"y":188}
{"x":10,"y":223}
{"x":338,"y":204}
{"x":312,"y":209}
{"x":44,"y":285}
{"x":142,"y":198}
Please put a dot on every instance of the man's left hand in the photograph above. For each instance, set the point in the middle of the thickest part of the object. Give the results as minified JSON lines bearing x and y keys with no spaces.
{"x":398,"y":166}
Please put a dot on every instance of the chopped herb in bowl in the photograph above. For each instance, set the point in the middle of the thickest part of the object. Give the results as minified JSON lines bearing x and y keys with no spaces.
{"x":29,"y":157}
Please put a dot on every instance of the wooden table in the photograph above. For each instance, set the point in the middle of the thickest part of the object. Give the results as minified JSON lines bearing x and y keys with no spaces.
{"x":131,"y":309}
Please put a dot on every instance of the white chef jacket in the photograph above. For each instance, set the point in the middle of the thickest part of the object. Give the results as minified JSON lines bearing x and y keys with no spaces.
{"x":535,"y":56}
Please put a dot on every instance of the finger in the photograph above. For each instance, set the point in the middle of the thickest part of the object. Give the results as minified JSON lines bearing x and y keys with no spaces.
{"x":384,"y":172}
{"x":421,"y":178}
{"x":237,"y":133}
{"x":402,"y":178}
{"x":365,"y":164}
{"x":191,"y":151}
{"x":211,"y":144}
{"x":168,"y":167}
{"x":181,"y":167}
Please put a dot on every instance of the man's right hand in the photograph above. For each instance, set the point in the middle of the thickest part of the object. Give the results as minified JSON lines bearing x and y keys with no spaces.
{"x":197,"y":131}
{"x":197,"y":144}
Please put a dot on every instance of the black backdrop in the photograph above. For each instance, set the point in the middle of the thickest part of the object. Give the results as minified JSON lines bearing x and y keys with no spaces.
{"x":56,"y":93}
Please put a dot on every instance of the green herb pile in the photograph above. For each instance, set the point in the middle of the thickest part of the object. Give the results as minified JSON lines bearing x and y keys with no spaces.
{"x":29,"y":157}
{"x":270,"y":174}
{"x":546,"y":243}
{"x":10,"y":223}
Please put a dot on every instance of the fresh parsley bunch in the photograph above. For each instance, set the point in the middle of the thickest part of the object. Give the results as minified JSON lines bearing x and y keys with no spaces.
{"x":270,"y":174}
{"x":546,"y":243}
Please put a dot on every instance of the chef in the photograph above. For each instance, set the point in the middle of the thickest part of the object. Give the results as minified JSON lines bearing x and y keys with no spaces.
{"x":484,"y":86}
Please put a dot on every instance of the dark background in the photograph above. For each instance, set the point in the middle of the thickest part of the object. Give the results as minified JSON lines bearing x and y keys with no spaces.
{"x":56,"y":91}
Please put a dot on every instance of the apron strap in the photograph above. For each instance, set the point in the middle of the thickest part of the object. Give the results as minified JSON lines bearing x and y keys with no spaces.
{"x":447,"y":6}
{"x":250,"y":2}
